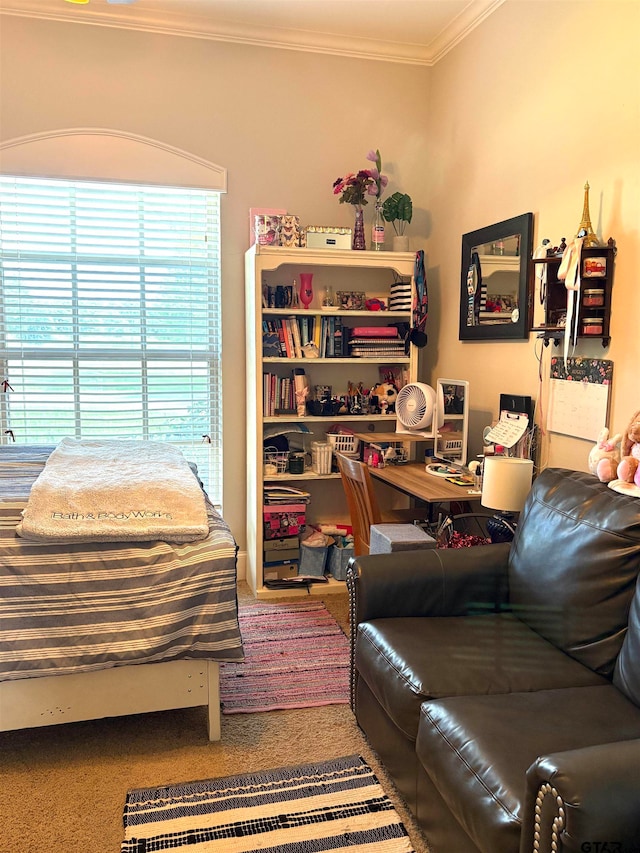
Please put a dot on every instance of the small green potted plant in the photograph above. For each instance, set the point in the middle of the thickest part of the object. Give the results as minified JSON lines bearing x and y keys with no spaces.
{"x":398,"y":210}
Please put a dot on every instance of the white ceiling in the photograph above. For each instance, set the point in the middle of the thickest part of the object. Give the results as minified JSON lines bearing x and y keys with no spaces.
{"x":410,"y":31}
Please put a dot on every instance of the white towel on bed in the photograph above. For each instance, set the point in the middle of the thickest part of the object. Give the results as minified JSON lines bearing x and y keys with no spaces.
{"x":114,"y":491}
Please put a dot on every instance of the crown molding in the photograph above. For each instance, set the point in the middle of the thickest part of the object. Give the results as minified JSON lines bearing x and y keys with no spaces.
{"x":198,"y":26}
{"x":460,"y":27}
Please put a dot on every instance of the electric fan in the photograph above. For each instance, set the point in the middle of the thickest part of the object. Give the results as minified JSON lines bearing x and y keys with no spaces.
{"x":419,"y":410}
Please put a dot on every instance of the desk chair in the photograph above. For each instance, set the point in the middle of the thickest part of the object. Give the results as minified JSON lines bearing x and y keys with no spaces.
{"x":363,"y":504}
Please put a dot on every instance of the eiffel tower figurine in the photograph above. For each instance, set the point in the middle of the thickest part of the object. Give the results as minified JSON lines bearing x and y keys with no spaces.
{"x":585,"y":229}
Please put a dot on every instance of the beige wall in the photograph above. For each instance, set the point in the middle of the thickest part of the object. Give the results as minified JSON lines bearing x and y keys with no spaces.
{"x":284,"y":124}
{"x":541,"y":97}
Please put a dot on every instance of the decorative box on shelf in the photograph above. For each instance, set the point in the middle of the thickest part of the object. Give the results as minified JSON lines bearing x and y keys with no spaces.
{"x":282,"y":520}
{"x":328,"y":237}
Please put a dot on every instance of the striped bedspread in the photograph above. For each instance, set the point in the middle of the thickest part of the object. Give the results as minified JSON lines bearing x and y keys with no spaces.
{"x":68,"y":608}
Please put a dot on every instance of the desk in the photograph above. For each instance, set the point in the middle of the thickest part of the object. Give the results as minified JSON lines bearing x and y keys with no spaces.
{"x":413,"y":480}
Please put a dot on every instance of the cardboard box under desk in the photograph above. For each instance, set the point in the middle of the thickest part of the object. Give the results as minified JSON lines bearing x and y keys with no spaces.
{"x":288,"y":570}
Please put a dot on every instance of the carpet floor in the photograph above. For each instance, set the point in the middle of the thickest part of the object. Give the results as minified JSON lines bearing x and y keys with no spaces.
{"x":327,"y":806}
{"x":296,"y":656}
{"x":63,"y":787}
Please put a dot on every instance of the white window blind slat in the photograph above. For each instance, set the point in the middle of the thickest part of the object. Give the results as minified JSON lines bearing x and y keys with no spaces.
{"x":110,"y":316}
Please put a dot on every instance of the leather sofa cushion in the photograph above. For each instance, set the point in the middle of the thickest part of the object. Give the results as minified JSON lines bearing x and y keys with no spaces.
{"x":407,"y":660}
{"x":573,"y":565}
{"x":627,"y":673}
{"x":477,"y":749}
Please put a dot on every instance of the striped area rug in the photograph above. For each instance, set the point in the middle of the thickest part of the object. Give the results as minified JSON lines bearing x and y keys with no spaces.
{"x":331,"y":806}
{"x":296,"y":656}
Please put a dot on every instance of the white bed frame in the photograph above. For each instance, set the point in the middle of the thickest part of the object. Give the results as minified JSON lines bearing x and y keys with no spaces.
{"x":121,"y":690}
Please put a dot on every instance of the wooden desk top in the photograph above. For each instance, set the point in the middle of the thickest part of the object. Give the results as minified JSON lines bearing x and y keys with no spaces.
{"x":413,"y":480}
{"x":390,"y":437}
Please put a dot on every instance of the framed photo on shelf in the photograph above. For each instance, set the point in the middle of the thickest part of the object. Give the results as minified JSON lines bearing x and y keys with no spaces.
{"x":595,"y":267}
{"x":264,"y":219}
{"x":395,"y":374}
{"x":351,"y":300}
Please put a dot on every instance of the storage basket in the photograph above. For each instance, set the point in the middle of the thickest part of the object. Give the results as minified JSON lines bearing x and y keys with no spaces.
{"x":347,"y":444}
{"x":313,"y":560}
{"x":451,"y":442}
{"x":338,"y":560}
{"x":275,"y":461}
{"x":321,"y":457}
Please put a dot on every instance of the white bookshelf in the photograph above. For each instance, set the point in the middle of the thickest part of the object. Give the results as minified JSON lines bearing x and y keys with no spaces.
{"x":343,"y":270}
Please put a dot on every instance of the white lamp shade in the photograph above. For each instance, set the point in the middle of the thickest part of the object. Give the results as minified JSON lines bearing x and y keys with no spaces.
{"x":506,"y":482}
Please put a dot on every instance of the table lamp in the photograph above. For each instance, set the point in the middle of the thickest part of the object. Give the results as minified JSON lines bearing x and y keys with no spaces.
{"x":506,"y":482}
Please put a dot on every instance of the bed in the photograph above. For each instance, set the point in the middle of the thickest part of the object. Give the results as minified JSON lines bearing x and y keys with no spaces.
{"x":93,"y":630}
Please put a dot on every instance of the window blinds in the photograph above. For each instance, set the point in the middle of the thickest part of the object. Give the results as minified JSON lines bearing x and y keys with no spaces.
{"x":110,"y":316}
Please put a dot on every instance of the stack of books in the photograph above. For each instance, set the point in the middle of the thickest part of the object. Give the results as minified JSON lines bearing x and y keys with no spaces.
{"x":276,"y":494}
{"x":284,"y":520}
{"x":377,"y":347}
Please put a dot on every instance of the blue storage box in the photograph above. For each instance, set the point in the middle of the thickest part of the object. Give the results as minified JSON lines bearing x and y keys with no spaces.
{"x":338,"y":560}
{"x":313,"y":560}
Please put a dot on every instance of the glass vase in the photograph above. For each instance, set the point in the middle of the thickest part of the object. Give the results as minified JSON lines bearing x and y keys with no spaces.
{"x":306,"y":288}
{"x":359,"y":241}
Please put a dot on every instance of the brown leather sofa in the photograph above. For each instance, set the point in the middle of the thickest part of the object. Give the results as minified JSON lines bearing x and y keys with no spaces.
{"x":500,"y":684}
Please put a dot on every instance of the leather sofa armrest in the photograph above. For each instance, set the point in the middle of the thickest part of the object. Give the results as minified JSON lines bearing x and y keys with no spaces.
{"x":435,"y":582}
{"x":583,"y":798}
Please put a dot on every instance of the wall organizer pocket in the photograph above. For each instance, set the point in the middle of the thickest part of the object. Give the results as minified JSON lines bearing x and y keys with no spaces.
{"x":580,"y":310}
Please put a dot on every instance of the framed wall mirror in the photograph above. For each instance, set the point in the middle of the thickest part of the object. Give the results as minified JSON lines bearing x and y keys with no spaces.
{"x":493,"y":281}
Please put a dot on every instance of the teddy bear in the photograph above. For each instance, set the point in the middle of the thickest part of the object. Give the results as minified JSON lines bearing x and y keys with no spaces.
{"x":605,"y":456}
{"x":387,"y":394}
{"x":629,"y":466}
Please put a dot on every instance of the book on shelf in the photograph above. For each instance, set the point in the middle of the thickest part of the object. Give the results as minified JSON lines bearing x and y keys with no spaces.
{"x":306,"y":329}
{"x":279,"y":392}
{"x":300,"y":582}
{"x":296,"y":337}
{"x":376,"y":347}
{"x":383,"y":353}
{"x":270,"y":345}
{"x":283,"y":346}
{"x":381,"y":341}
{"x":341,"y":339}
{"x":278,"y":395}
{"x":375,"y":332}
{"x":331,"y":329}
{"x":331,"y":336}
{"x":288,"y":338}
{"x":303,"y":324}
{"x":278,"y":494}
